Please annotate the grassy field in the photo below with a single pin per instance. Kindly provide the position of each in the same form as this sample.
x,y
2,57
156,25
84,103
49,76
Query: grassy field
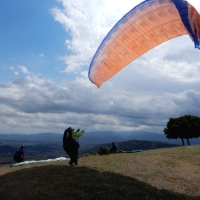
x,y
162,174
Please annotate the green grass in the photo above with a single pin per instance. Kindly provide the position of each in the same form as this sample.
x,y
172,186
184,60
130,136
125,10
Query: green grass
x,y
163,174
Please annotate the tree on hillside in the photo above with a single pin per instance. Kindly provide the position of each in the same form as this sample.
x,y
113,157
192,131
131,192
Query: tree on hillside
x,y
185,127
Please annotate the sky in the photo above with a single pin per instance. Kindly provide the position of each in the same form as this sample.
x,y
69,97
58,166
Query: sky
x,y
45,51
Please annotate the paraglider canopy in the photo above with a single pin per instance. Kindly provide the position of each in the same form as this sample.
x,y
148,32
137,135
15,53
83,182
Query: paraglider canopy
x,y
149,24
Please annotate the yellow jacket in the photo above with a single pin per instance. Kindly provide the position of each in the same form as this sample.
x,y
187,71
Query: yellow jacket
x,y
76,134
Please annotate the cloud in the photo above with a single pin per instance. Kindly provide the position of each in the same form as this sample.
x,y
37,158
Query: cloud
x,y
87,23
15,72
12,68
24,69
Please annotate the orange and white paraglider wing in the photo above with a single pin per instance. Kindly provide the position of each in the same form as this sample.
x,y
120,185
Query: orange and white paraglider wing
x,y
144,27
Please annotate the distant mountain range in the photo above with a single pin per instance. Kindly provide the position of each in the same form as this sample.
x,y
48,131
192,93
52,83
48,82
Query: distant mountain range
x,y
97,137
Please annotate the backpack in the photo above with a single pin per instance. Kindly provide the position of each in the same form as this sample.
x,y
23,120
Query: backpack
x,y
16,156
104,150
67,138
68,141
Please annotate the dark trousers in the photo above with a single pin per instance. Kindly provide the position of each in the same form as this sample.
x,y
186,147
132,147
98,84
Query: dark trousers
x,y
72,153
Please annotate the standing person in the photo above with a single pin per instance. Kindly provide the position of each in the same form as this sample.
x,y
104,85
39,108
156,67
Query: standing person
x,y
19,155
71,145
114,148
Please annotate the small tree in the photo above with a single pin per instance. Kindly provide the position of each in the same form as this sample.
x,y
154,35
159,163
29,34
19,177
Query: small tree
x,y
185,127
